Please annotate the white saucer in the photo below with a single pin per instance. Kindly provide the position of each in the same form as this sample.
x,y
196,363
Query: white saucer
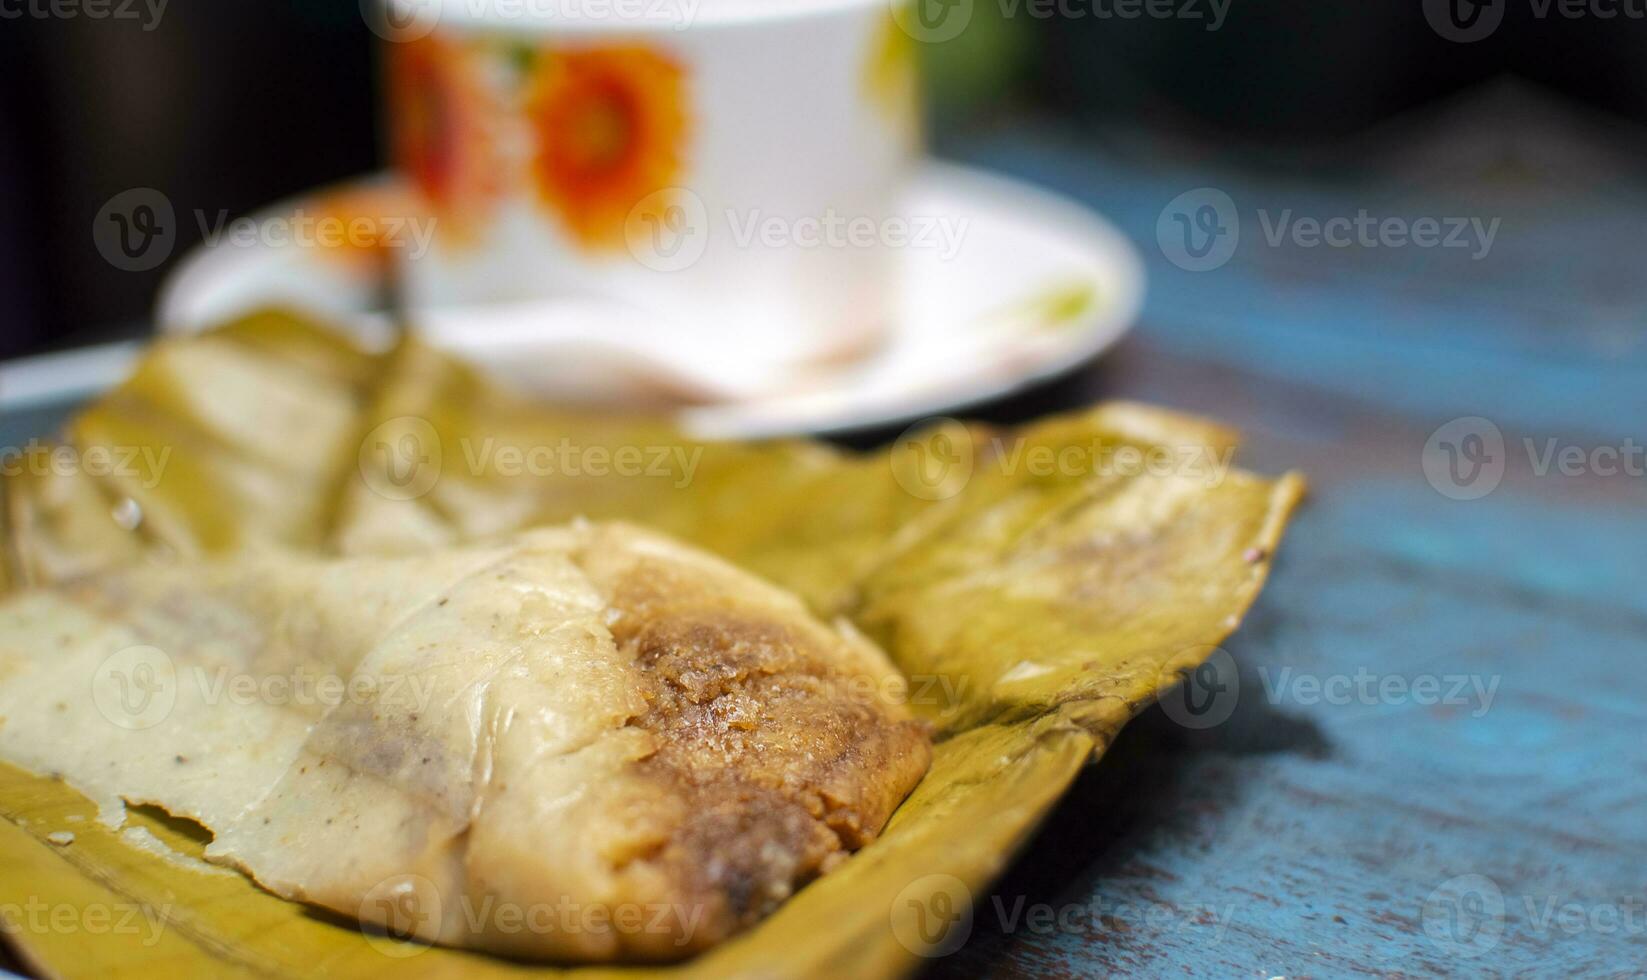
x,y
1038,286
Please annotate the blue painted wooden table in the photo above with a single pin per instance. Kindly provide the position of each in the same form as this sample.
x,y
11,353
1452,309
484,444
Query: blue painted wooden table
x,y
1429,756
1434,760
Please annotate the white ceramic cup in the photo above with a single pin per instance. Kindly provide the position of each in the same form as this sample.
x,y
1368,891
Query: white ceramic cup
x,y
728,168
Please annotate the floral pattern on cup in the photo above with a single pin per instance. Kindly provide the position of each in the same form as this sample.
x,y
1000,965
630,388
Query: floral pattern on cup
x,y
445,125
609,129
586,132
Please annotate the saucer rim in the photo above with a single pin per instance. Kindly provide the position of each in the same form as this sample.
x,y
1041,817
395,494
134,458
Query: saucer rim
x,y
1097,329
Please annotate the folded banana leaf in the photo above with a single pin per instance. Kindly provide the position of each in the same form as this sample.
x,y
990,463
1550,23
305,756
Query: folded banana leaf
x,y
1038,587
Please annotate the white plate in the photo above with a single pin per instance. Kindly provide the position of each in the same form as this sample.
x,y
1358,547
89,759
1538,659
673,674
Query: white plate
x,y
1038,286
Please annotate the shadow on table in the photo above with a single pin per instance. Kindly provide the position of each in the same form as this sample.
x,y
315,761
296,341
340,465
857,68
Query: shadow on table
x,y
1137,803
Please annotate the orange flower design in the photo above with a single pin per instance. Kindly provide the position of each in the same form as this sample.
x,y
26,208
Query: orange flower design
x,y
444,123
609,128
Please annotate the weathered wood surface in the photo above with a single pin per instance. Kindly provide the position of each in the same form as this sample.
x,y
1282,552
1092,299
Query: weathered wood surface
x,y
1306,838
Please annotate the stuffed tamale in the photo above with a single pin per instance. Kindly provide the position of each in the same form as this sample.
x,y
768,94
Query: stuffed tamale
x,y
585,743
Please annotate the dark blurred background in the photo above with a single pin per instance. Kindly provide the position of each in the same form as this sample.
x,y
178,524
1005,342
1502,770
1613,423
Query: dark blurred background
x,y
228,106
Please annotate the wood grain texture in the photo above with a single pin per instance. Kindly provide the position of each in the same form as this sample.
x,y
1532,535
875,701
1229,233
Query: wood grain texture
x,y
1307,838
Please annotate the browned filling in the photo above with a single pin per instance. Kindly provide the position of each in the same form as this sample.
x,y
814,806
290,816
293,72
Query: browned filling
x,y
784,764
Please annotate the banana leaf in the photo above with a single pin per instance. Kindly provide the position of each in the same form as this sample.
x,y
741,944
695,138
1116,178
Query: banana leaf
x,y
1037,586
